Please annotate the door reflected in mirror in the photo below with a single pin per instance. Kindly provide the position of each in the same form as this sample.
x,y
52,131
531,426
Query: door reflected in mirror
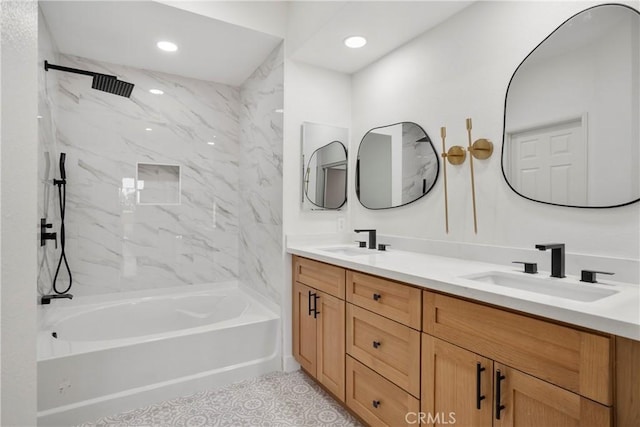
x,y
571,131
396,165
324,160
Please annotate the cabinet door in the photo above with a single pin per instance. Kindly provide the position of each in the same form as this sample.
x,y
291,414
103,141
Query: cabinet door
x,y
331,352
456,385
304,327
531,402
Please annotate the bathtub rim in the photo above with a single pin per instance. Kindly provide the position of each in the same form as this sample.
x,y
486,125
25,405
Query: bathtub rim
x,y
48,315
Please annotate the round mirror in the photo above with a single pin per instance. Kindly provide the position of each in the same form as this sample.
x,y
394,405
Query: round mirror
x,y
325,176
571,129
396,165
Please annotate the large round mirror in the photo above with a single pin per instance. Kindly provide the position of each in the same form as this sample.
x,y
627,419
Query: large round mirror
x,y
325,176
571,130
396,165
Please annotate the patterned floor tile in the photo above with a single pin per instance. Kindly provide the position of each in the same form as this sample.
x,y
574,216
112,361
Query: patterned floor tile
x,y
273,400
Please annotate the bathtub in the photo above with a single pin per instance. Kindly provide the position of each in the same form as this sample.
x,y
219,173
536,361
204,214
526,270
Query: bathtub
x,y
106,354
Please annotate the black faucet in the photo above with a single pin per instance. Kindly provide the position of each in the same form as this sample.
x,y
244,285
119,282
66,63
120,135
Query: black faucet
x,y
557,257
372,237
46,299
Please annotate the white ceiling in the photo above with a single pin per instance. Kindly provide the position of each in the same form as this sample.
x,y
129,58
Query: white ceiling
x,y
320,29
125,32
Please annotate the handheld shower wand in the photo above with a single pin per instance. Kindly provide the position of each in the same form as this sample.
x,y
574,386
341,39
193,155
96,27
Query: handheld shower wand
x,y
63,173
62,193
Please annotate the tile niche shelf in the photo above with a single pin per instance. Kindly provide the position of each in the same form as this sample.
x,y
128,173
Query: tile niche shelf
x,y
158,184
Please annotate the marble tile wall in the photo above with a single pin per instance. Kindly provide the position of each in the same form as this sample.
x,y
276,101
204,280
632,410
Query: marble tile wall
x,y
47,158
261,142
113,243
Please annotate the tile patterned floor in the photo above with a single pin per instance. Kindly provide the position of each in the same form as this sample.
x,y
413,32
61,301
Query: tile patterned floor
x,y
273,400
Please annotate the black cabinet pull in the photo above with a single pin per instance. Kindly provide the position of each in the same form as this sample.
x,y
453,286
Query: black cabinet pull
x,y
499,407
313,309
376,344
375,403
309,304
315,306
377,296
479,396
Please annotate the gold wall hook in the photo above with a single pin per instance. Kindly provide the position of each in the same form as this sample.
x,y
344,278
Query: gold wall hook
x,y
481,149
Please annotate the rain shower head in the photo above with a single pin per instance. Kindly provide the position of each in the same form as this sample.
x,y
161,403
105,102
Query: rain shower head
x,y
111,84
103,82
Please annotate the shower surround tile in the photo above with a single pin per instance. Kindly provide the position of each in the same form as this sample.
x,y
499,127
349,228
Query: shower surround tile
x,y
261,122
115,244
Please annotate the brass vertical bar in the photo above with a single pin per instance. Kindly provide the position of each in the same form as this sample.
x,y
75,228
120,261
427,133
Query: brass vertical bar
x,y
443,134
473,182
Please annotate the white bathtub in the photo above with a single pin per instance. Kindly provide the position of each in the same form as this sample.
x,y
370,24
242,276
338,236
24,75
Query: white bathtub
x,y
107,354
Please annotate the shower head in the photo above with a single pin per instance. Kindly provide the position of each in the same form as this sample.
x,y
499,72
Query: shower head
x,y
103,82
111,84
63,173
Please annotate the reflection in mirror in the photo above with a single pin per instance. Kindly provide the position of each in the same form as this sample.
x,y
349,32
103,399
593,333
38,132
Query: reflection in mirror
x,y
396,165
571,130
324,161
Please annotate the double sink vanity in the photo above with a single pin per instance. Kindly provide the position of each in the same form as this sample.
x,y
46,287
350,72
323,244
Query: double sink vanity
x,y
408,338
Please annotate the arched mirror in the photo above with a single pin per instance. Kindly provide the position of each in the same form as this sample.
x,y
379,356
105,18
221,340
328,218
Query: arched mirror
x,y
324,172
396,165
571,129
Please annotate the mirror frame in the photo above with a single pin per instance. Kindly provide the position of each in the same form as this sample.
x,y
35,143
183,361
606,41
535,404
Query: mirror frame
x,y
357,168
504,118
346,188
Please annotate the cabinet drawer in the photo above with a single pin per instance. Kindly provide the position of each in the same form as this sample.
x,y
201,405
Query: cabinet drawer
x,y
324,277
387,347
572,359
375,399
390,299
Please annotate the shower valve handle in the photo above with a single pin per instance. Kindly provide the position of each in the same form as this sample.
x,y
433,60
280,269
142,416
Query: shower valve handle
x,y
44,236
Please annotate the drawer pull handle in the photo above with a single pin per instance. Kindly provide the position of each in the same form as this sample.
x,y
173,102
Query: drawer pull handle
x,y
377,297
479,396
376,403
376,344
499,407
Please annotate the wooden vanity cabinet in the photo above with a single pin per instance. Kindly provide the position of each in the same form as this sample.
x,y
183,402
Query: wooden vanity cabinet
x,y
319,323
465,386
383,350
541,373
401,355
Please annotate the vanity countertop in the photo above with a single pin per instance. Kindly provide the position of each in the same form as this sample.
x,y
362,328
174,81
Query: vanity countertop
x,y
617,314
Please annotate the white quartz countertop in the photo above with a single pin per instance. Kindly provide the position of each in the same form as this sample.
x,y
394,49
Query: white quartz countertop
x,y
617,314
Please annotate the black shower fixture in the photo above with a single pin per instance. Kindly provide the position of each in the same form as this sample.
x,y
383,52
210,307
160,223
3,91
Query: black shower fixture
x,y
103,82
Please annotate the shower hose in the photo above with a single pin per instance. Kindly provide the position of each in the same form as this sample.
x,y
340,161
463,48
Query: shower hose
x,y
62,193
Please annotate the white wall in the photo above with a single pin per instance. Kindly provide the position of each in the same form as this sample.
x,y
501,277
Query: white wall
x,y
311,95
314,95
19,226
461,69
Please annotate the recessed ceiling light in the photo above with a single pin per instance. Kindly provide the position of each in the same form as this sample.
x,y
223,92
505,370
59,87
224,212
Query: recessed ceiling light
x,y
167,46
148,129
355,42
278,110
156,91
211,143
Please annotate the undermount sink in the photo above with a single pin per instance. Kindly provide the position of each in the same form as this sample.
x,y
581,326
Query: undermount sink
x,y
348,251
575,291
